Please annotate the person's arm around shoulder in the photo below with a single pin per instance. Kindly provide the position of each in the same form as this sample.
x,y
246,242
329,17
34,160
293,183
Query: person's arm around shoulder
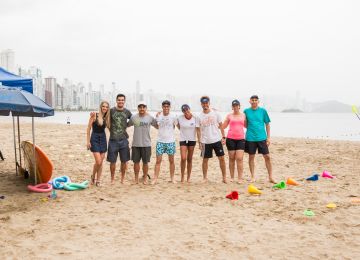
x,y
131,121
154,122
91,121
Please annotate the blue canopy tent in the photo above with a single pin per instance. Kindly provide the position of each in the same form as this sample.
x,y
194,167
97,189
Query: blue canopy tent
x,y
22,103
11,80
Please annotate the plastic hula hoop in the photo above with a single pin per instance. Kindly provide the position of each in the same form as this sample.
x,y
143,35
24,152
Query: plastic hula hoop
x,y
42,187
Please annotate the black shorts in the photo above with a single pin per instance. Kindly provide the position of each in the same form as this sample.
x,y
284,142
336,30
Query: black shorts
x,y
207,151
233,144
187,143
141,153
261,147
120,147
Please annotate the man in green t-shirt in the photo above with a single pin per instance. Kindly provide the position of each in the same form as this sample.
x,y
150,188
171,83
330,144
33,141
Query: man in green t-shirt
x,y
257,137
118,141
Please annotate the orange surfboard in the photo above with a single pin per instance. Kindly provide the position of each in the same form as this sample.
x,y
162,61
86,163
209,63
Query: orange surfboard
x,y
44,166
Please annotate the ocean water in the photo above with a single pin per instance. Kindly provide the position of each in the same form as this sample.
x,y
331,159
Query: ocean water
x,y
332,126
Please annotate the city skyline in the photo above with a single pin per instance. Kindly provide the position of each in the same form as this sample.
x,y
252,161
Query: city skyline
x,y
277,47
69,95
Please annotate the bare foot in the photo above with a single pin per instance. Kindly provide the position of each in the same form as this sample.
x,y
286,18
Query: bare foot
x,y
112,181
271,180
153,182
232,180
188,181
224,181
240,181
205,180
253,179
172,181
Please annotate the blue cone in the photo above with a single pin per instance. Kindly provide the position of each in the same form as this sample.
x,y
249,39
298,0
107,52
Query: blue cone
x,y
315,177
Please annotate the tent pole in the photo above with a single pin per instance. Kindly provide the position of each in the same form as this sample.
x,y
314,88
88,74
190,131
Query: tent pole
x,y
34,150
18,126
16,166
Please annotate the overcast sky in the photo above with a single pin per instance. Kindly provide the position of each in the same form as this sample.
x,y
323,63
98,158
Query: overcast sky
x,y
226,48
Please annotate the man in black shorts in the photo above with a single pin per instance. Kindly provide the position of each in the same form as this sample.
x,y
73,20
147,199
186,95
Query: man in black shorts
x,y
257,138
141,146
211,136
118,142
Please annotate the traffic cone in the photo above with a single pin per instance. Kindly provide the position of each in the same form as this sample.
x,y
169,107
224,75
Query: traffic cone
x,y
291,181
253,190
315,177
327,174
280,185
234,195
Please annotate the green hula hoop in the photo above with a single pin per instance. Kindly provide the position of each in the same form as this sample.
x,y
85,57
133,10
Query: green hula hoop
x,y
76,186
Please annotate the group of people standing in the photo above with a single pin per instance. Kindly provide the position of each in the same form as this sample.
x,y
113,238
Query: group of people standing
x,y
206,128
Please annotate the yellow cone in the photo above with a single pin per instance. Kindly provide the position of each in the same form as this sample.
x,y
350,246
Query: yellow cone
x,y
331,205
253,190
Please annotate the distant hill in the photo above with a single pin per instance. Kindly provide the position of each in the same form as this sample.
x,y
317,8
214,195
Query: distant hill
x,y
292,110
331,106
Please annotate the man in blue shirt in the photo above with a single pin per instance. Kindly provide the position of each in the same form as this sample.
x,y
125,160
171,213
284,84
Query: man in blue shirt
x,y
257,138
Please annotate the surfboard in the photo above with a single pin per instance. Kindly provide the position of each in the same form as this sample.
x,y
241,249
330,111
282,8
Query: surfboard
x,y
44,166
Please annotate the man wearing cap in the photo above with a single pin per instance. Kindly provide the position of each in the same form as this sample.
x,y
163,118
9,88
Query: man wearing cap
x,y
141,143
211,137
166,140
257,136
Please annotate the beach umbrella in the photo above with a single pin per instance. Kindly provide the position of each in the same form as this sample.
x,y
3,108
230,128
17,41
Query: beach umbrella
x,y
22,103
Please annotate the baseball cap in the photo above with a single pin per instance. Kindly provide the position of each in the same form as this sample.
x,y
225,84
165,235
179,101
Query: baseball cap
x,y
185,107
142,103
254,97
166,102
235,102
204,100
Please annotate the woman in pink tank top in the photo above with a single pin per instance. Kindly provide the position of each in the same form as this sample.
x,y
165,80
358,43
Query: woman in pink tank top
x,y
235,139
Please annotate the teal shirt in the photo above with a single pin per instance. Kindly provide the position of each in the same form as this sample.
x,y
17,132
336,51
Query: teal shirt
x,y
256,120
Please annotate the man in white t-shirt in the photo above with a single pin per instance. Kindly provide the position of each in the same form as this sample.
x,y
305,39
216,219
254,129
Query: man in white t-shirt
x,y
212,137
166,139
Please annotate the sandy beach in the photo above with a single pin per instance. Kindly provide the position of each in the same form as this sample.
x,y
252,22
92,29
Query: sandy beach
x,y
182,221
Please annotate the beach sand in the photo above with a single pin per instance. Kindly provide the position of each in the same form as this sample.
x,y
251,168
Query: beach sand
x,y
182,221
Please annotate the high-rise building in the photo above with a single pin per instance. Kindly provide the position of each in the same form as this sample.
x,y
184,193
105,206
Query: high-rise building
x,y
81,96
102,91
59,97
137,93
36,75
7,60
50,91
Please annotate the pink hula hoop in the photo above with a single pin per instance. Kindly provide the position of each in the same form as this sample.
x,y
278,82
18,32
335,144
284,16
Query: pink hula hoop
x,y
42,187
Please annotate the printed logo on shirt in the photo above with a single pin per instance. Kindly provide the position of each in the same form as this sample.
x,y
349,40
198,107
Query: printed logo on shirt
x,y
208,121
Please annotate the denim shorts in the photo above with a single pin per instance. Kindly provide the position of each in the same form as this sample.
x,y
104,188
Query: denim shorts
x,y
120,147
98,142
168,148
